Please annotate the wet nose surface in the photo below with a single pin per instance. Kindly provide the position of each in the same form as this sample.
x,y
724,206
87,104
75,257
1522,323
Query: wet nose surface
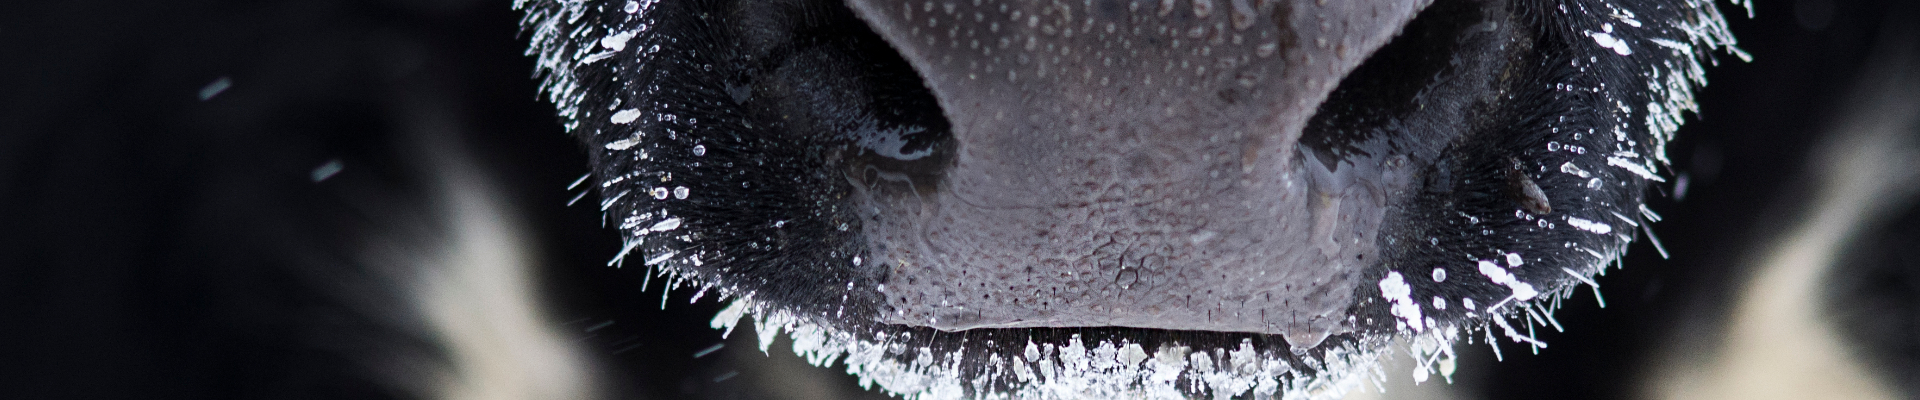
x,y
1131,163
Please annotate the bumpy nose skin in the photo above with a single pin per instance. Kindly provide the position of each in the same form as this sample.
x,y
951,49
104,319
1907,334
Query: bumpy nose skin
x,y
1126,198
1132,164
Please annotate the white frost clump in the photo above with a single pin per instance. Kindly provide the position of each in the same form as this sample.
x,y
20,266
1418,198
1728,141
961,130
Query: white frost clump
x,y
1079,369
1521,290
1589,226
1395,289
1605,39
626,116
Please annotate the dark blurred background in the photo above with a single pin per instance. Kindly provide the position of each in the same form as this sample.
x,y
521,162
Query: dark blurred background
x,y
164,232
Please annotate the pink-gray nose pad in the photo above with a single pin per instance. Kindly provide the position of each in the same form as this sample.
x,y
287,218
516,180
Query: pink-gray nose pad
x,y
1149,131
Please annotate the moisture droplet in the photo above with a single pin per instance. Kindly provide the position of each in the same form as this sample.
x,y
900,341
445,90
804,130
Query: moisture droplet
x,y
1439,303
699,150
680,192
632,7
1439,274
659,193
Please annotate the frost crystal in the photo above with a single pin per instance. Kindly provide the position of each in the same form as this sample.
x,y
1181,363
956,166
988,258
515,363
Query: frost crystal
x,y
1589,226
1076,369
1521,290
1395,289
